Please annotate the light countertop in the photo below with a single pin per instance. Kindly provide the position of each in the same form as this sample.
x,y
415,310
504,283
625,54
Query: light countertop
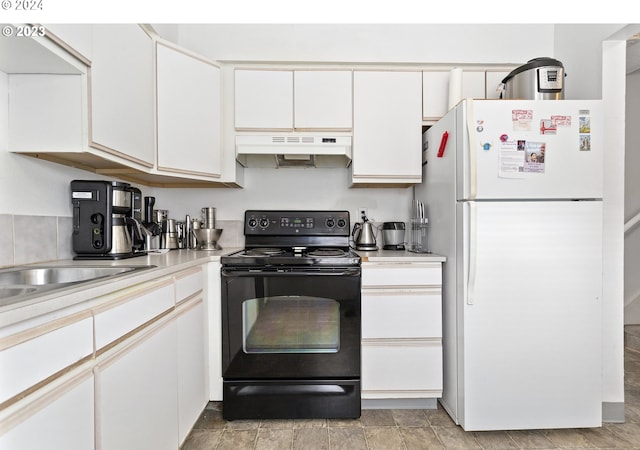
x,y
65,300
73,297
399,256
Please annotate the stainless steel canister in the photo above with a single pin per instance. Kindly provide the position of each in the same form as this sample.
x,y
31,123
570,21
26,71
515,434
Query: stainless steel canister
x,y
209,217
169,234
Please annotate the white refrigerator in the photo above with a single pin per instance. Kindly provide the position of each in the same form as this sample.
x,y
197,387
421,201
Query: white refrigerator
x,y
513,193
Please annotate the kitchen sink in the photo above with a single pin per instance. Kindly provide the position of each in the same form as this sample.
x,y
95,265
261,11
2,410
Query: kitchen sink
x,y
18,282
58,275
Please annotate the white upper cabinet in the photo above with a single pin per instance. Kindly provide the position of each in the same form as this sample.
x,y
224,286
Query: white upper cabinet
x,y
473,84
264,99
478,84
323,99
189,117
387,125
435,90
287,100
122,93
435,94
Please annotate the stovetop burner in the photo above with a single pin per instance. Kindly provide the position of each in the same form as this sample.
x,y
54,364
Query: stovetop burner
x,y
262,251
328,252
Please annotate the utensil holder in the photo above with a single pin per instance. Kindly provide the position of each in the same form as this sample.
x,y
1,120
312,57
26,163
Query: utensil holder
x,y
419,235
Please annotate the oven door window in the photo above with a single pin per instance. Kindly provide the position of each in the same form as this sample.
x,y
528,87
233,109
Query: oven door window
x,y
291,324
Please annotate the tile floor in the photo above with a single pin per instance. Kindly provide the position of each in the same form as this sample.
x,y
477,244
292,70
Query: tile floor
x,y
415,429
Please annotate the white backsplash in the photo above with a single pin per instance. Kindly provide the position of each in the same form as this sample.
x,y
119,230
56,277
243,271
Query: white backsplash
x,y
35,239
32,239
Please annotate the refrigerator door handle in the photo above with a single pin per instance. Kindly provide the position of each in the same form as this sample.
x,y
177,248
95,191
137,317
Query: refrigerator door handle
x,y
473,147
471,276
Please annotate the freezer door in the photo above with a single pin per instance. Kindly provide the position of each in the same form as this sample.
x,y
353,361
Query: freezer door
x,y
517,149
530,355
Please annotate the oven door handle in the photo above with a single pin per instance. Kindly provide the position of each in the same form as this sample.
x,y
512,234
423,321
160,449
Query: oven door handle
x,y
289,272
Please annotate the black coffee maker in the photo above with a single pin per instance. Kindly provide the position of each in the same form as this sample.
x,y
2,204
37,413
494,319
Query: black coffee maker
x,y
104,220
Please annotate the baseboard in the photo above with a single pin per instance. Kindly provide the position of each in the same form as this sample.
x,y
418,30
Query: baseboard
x,y
613,412
400,403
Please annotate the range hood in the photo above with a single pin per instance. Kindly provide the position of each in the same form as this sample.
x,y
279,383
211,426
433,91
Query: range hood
x,y
287,150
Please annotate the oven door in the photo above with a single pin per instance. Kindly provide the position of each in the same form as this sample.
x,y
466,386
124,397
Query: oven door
x,y
291,323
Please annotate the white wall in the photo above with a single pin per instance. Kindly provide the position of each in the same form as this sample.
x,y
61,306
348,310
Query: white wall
x,y
401,43
632,200
614,99
290,188
579,48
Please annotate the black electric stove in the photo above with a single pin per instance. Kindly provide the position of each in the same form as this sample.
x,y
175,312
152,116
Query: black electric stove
x,y
291,321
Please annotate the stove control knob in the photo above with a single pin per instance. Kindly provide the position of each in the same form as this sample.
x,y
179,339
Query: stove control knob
x,y
253,222
264,222
342,223
330,223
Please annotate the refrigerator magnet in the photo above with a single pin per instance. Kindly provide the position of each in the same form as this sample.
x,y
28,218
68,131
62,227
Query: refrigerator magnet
x,y
548,126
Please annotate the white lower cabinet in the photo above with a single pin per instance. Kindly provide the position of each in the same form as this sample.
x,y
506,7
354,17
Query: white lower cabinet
x,y
401,330
128,372
192,373
397,368
59,416
136,393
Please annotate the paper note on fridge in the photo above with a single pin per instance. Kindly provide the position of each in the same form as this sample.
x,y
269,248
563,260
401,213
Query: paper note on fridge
x,y
521,157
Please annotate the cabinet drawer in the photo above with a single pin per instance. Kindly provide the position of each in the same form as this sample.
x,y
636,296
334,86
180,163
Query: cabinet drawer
x,y
188,283
401,314
30,358
128,314
402,366
401,274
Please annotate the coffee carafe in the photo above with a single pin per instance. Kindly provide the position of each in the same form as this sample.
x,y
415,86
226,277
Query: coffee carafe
x,y
103,219
364,235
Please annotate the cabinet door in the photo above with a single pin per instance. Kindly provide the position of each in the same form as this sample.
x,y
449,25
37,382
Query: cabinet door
x,y
35,358
122,94
136,393
61,418
189,121
264,99
192,368
46,113
435,94
323,99
473,84
387,127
